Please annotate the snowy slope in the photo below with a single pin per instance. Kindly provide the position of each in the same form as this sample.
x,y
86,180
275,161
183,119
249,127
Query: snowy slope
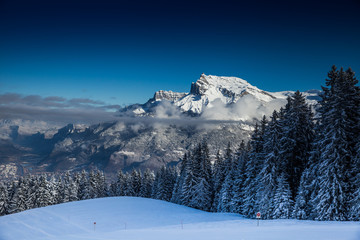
x,y
138,218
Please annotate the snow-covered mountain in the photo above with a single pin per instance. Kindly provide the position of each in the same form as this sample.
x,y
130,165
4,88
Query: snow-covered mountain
x,y
208,91
217,109
140,218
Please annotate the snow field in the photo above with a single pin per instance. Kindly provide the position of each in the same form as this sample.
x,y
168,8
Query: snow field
x,y
130,218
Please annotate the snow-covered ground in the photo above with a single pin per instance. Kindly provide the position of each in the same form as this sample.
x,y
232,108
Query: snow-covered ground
x,y
129,218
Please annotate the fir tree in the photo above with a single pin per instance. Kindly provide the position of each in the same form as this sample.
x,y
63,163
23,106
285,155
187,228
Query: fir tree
x,y
84,187
224,182
270,168
252,170
135,182
282,203
4,198
237,201
19,199
177,193
336,147
146,184
296,138
120,184
43,193
70,189
219,177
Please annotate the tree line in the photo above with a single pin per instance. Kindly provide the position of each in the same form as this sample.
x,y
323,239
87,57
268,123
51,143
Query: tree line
x,y
296,165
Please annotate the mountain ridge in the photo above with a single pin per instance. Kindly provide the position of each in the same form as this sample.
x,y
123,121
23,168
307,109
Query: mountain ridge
x,y
216,109
206,90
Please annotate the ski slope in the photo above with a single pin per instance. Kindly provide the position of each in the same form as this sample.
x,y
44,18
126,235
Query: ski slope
x,y
130,218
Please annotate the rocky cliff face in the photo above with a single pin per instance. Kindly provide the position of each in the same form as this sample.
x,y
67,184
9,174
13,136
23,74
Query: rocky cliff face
x,y
168,95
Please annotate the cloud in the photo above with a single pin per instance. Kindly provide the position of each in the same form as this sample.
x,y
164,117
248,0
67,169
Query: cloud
x,y
10,98
55,108
55,99
167,110
85,101
84,110
246,108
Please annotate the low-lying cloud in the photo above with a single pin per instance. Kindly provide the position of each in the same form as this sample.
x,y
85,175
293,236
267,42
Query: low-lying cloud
x,y
89,111
246,108
55,108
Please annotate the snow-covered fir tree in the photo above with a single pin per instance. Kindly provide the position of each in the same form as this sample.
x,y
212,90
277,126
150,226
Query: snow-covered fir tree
x,y
70,189
224,181
336,147
282,203
43,196
177,192
219,178
297,136
19,201
84,187
252,170
146,183
4,198
270,169
241,157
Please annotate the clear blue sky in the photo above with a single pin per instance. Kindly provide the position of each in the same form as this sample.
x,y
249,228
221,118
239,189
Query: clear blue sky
x,y
121,52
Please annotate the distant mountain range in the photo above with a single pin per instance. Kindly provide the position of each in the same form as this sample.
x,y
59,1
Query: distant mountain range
x,y
217,109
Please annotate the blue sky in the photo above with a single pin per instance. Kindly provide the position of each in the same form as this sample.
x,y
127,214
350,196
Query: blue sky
x,y
121,52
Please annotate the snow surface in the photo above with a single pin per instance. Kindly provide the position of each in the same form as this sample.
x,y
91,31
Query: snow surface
x,y
131,218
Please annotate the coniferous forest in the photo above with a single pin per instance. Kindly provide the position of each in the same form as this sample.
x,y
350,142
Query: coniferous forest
x,y
300,163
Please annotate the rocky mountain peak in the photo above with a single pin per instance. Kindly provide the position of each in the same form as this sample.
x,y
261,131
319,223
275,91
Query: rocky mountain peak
x,y
227,85
209,90
168,95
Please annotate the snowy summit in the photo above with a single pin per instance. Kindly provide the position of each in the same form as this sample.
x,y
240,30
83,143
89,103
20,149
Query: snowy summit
x,y
209,90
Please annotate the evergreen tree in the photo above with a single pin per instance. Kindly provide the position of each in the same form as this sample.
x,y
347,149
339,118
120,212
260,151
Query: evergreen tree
x,y
19,199
252,170
177,193
226,193
206,185
84,187
237,201
309,186
355,201
146,183
224,182
165,183
101,187
189,185
128,185
4,198
219,178
59,188
282,203
296,138
43,196
120,184
135,182
270,168
70,189
154,189
336,146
